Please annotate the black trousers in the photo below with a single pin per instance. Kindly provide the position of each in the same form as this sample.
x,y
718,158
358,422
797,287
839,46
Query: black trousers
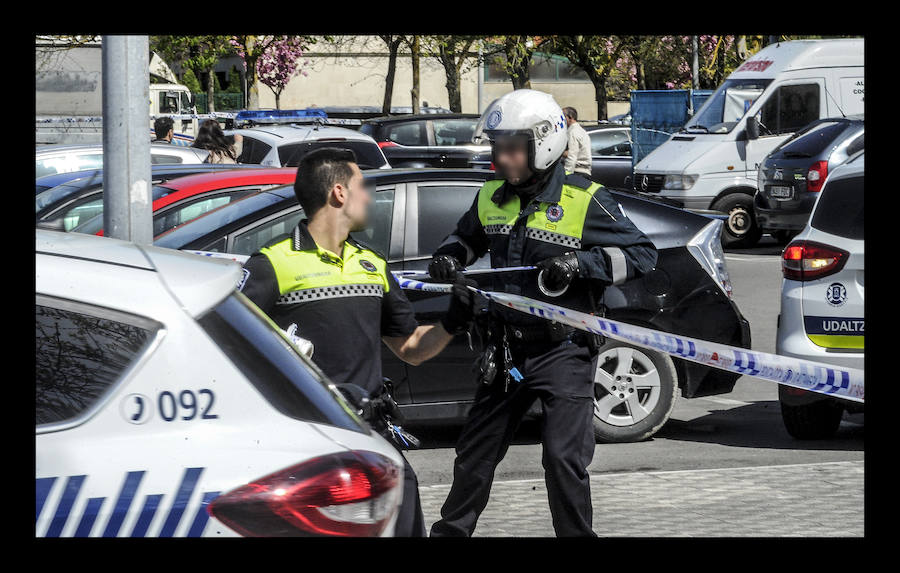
x,y
560,376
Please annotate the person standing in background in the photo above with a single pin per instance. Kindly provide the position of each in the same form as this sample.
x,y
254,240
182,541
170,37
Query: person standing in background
x,y
578,155
211,137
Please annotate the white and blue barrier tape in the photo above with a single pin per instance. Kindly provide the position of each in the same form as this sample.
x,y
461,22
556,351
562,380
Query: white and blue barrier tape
x,y
848,383
837,381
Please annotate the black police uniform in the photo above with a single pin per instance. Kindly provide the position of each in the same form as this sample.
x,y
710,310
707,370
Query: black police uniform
x,y
352,301
556,361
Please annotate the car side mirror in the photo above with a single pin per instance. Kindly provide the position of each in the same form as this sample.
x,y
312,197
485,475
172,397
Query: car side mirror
x,y
752,128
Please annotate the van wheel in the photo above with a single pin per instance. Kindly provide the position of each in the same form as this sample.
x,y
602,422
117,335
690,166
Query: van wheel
x,y
740,230
815,421
634,392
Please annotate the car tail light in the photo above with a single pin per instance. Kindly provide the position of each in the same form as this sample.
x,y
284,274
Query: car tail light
x,y
816,175
492,166
806,261
383,144
345,494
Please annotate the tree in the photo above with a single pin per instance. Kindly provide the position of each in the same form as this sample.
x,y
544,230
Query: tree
x,y
596,55
190,80
200,54
415,53
250,49
393,43
453,52
279,63
519,55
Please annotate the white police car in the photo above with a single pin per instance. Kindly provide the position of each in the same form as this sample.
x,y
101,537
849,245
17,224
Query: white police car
x,y
280,138
168,405
822,299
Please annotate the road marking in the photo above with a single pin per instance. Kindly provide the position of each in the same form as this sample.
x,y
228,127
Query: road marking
x,y
666,472
726,401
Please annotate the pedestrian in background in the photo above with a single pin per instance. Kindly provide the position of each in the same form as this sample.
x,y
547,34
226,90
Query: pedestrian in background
x,y
211,137
578,155
164,128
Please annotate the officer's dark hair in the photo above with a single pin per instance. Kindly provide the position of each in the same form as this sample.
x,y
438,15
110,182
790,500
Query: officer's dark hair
x,y
570,112
319,171
162,125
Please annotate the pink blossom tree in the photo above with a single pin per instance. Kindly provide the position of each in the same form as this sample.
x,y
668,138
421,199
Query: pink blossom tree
x,y
280,63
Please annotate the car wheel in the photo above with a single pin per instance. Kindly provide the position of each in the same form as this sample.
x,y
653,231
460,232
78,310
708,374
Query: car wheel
x,y
634,392
815,421
740,230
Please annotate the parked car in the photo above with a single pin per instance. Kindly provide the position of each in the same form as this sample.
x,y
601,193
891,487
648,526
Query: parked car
x,y
611,156
159,172
180,200
688,293
168,405
49,159
791,177
285,145
823,299
426,140
70,204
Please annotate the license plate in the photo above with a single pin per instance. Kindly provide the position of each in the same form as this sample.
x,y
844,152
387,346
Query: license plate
x,y
781,192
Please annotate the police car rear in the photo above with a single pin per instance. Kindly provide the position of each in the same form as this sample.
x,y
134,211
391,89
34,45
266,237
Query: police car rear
x,y
168,405
822,299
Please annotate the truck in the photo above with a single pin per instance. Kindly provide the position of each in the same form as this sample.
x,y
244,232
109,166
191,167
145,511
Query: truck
x,y
712,162
69,94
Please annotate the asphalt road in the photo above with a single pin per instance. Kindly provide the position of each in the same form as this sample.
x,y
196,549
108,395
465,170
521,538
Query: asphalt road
x,y
739,429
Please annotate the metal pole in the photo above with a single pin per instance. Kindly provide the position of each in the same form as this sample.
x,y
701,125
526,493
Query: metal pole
x,y
696,64
127,211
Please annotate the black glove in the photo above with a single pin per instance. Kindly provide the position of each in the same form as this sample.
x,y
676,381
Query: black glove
x,y
444,267
462,306
559,271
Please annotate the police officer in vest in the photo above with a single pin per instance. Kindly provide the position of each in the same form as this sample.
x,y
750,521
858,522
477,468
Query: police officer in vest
x,y
341,295
578,236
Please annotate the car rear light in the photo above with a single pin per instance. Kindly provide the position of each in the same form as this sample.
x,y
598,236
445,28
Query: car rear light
x,y
807,260
816,175
383,144
353,493
706,247
492,166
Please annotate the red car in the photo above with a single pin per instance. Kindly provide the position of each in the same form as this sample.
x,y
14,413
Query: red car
x,y
178,201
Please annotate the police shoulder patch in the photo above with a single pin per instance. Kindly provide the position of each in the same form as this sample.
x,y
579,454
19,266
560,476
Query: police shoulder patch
x,y
246,275
554,213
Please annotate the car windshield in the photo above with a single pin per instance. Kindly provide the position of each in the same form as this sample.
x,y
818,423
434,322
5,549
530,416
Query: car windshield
x,y
368,155
288,380
725,108
813,140
840,208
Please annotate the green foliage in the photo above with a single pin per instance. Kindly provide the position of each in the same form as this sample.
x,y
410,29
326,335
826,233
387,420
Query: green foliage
x,y
190,80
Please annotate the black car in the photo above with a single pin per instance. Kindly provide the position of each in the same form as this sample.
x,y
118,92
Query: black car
x,y
78,200
791,176
611,156
688,293
426,140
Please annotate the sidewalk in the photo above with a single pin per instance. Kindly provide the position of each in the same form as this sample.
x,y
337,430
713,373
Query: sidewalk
x,y
809,500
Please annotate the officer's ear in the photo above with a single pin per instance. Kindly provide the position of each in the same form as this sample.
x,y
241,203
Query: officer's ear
x,y
339,194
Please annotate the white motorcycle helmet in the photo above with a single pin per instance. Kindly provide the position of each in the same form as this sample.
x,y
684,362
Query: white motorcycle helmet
x,y
533,114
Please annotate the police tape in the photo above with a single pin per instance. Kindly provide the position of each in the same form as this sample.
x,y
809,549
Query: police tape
x,y
838,381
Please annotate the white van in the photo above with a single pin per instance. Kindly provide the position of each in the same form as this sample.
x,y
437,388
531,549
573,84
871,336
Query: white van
x,y
712,162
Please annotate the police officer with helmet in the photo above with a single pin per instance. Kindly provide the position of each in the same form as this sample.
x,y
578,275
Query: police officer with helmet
x,y
581,241
324,287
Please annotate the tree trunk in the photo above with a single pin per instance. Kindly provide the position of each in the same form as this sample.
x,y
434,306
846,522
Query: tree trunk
x,y
210,92
600,95
393,47
415,73
278,100
451,70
